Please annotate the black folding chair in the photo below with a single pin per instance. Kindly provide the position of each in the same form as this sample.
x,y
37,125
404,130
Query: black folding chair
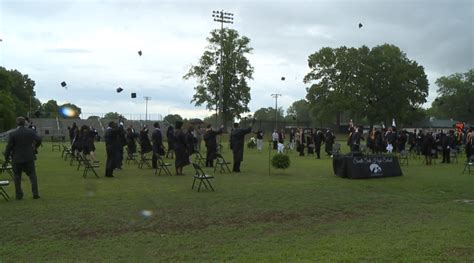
x,y
199,159
67,152
130,157
222,163
468,164
6,167
162,166
144,160
202,177
89,166
2,191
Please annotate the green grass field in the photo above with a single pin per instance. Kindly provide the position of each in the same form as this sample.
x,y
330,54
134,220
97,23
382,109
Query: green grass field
x,y
304,213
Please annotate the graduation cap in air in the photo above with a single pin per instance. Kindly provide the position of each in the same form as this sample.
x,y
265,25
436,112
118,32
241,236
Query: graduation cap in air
x,y
360,25
119,89
282,78
140,53
133,95
63,84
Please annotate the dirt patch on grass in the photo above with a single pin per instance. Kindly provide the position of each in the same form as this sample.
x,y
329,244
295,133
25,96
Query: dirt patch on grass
x,y
167,225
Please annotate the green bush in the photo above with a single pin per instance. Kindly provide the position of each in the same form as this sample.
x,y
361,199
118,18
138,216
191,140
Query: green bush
x,y
281,161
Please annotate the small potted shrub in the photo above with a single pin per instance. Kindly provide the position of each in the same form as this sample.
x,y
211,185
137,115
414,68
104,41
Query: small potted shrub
x,y
281,161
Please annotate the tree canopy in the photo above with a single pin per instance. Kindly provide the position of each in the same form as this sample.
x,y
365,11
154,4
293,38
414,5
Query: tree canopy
x,y
172,118
236,70
455,97
375,84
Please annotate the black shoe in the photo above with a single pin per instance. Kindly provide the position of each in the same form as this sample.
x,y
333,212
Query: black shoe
x,y
36,197
19,197
109,176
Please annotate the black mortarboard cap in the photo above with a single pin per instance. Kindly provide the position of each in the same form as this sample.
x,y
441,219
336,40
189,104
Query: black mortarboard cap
x,y
133,95
360,25
119,89
63,84
282,78
140,53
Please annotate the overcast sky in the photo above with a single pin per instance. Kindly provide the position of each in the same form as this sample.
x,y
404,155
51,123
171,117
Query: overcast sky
x,y
92,45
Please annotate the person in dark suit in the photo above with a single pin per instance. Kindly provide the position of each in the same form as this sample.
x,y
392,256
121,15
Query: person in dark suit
x,y
157,139
112,145
211,144
237,144
21,147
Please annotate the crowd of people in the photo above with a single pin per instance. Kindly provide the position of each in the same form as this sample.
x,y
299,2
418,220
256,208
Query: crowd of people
x,y
182,143
430,144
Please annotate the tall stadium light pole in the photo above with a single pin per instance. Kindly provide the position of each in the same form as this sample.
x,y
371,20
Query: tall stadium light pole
x,y
276,109
223,18
146,106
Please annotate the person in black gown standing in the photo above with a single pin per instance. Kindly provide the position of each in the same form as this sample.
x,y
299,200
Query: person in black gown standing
x,y
180,148
237,144
157,140
211,144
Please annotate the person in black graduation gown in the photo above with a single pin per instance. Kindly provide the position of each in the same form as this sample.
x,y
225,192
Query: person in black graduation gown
x,y
112,145
131,143
157,140
211,144
180,148
318,140
145,145
330,139
237,137
170,139
21,147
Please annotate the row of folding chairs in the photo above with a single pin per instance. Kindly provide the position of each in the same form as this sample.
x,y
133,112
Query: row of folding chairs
x,y
79,159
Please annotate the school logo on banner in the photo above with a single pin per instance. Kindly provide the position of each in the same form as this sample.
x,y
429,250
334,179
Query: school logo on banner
x,y
375,169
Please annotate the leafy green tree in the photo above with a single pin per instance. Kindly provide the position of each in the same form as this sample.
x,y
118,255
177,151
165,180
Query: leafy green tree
x,y
299,111
213,119
172,118
236,70
376,84
7,111
50,109
268,114
455,97
21,90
